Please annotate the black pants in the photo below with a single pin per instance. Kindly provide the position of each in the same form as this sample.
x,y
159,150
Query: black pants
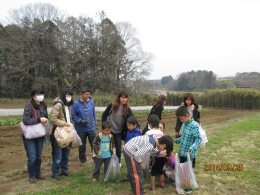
x,y
82,149
118,144
184,159
157,167
98,164
135,175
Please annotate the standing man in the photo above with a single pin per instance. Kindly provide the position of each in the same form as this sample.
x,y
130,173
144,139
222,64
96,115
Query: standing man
x,y
84,116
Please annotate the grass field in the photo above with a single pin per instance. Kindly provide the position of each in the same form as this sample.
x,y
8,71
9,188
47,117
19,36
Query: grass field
x,y
233,141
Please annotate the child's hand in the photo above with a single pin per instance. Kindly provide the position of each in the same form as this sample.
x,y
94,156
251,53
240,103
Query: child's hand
x,y
99,153
142,165
163,153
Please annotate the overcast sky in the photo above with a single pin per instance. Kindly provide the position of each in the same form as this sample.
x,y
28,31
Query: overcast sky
x,y
222,35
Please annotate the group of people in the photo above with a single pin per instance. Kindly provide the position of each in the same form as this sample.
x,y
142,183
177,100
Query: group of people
x,y
120,132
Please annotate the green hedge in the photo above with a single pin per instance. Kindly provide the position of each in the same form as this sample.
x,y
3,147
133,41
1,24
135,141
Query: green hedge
x,y
226,98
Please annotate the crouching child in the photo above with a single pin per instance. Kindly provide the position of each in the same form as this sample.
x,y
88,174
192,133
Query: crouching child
x,y
135,149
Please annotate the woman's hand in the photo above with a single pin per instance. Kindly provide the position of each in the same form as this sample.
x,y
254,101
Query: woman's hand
x,y
68,124
44,120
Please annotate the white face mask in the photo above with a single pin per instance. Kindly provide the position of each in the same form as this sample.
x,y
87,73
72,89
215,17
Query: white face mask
x,y
68,99
39,98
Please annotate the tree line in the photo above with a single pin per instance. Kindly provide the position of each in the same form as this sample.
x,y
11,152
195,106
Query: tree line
x,y
41,45
204,80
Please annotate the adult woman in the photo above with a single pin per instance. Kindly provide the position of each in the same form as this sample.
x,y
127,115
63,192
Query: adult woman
x,y
156,109
117,113
60,117
35,112
193,108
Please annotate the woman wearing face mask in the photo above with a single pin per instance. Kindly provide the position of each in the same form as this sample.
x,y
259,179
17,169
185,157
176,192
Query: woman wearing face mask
x,y
193,108
60,117
117,114
35,112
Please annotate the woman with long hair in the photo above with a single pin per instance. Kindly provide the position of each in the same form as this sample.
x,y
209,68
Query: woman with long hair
x,y
156,109
193,108
117,113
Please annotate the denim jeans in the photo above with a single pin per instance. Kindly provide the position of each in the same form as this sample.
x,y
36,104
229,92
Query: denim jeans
x,y
118,144
82,149
33,148
60,157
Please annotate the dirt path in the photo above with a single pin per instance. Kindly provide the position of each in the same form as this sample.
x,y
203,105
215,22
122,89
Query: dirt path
x,y
13,174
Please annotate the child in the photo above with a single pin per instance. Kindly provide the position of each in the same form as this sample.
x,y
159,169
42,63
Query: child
x,y
133,130
138,147
103,146
190,137
169,167
194,110
157,162
162,126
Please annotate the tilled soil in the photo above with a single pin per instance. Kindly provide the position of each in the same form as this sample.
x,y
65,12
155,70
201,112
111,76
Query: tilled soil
x,y
13,161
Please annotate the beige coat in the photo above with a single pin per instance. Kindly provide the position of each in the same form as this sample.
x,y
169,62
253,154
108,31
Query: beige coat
x,y
57,117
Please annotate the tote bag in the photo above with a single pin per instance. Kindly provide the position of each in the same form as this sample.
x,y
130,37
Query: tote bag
x,y
33,131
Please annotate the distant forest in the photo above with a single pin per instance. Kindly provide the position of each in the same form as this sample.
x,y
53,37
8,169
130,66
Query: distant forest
x,y
203,80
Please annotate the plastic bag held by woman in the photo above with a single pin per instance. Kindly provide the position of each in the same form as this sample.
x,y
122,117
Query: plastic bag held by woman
x,y
204,138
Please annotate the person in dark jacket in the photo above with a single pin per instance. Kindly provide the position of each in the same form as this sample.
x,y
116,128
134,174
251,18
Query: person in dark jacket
x,y
35,112
60,117
194,111
84,116
157,110
117,113
133,129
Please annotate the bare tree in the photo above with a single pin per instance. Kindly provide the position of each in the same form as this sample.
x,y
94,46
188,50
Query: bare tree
x,y
30,12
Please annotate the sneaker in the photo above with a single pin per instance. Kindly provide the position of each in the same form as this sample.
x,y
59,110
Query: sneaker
x,y
188,191
83,163
40,177
32,180
65,173
58,176
180,191
123,179
159,185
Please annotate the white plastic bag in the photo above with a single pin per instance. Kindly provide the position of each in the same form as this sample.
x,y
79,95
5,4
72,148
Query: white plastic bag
x,y
169,172
184,175
76,139
204,138
113,170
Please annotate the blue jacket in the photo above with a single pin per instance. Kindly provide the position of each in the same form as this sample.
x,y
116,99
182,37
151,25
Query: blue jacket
x,y
84,115
134,133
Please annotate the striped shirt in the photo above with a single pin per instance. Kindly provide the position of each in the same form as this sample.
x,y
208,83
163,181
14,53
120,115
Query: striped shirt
x,y
139,147
190,138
